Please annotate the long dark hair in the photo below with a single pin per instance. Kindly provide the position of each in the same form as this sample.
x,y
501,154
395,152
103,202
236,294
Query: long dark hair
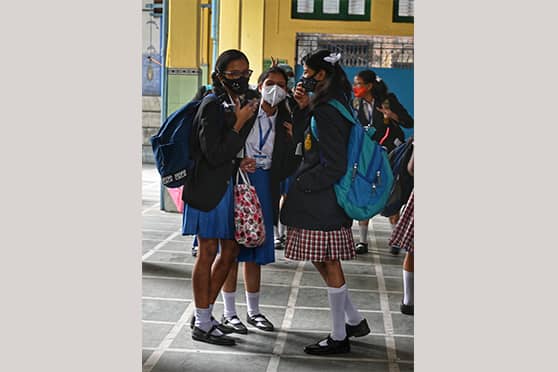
x,y
221,65
379,88
336,85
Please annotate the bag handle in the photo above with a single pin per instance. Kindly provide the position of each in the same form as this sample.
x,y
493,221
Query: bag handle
x,y
245,178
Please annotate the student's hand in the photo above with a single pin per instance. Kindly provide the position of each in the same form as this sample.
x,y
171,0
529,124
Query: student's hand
x,y
289,127
300,96
388,114
248,165
245,113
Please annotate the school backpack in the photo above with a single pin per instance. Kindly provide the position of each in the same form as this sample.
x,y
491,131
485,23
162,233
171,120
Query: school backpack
x,y
365,187
171,145
403,181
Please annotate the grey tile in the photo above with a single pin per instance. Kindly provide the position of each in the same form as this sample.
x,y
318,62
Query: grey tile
x,y
406,367
153,334
269,295
362,347
392,270
403,324
394,284
349,267
353,282
156,235
166,311
178,257
320,320
309,297
145,354
274,277
157,269
405,347
179,246
167,288
282,263
207,362
322,364
395,301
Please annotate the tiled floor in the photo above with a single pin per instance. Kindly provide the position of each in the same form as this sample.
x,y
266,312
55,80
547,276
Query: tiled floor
x,y
293,296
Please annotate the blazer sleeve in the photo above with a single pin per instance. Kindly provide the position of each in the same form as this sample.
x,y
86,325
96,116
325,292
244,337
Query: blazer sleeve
x,y
217,145
405,120
332,128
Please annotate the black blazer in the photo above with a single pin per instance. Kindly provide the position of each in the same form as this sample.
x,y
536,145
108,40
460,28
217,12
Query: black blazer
x,y
311,202
396,132
214,146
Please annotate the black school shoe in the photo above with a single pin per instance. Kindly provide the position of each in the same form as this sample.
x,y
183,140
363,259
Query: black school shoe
x,y
200,335
333,347
395,250
361,248
220,327
407,309
259,321
279,244
237,327
359,330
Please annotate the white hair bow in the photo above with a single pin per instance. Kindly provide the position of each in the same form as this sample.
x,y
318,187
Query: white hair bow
x,y
378,79
333,58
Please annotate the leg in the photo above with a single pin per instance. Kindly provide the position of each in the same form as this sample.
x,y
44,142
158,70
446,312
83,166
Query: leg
x,y
201,277
407,305
252,280
393,221
230,318
362,245
220,270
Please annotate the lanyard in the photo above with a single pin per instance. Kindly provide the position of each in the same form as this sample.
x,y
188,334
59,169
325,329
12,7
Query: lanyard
x,y
263,139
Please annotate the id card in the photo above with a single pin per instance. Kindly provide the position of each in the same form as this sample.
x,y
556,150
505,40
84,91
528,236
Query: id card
x,y
260,160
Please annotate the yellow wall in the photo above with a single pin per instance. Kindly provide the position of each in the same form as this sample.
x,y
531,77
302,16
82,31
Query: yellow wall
x,y
229,25
183,45
280,29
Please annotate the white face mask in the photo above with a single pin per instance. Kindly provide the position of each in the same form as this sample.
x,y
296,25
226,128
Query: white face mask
x,y
273,94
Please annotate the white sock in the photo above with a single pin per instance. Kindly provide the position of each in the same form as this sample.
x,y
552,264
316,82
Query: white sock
x,y
337,297
407,287
230,304
253,302
276,232
352,315
282,230
363,233
203,319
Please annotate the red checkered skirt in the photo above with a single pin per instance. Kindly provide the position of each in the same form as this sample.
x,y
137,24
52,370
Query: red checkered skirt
x,y
319,246
403,235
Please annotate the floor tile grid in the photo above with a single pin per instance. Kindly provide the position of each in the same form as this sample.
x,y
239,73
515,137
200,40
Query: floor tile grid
x,y
281,337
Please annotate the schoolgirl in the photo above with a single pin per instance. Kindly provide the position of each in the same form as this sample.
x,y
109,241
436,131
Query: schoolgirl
x,y
318,229
221,126
269,157
378,108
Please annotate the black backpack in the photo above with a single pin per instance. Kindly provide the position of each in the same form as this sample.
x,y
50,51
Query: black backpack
x,y
403,181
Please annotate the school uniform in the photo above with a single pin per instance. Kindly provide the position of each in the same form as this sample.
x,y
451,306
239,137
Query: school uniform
x,y
208,190
274,151
318,229
390,134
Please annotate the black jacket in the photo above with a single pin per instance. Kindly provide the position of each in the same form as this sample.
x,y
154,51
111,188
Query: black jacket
x,y
215,146
311,203
396,132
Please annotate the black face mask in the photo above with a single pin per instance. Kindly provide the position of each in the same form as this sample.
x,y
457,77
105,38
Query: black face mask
x,y
239,86
309,84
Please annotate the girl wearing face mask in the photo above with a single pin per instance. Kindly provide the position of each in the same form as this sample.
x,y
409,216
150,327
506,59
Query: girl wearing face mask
x,y
269,158
318,229
376,107
221,126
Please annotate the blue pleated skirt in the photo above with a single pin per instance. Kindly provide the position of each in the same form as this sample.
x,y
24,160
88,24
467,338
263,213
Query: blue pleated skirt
x,y
218,223
264,253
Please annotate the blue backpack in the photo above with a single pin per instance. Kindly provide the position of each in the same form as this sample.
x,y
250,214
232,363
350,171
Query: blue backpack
x,y
403,182
171,145
365,187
